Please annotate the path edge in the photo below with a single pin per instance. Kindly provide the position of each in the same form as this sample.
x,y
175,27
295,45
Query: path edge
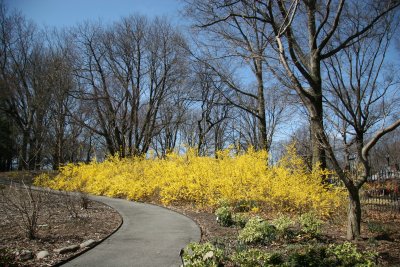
x,y
64,261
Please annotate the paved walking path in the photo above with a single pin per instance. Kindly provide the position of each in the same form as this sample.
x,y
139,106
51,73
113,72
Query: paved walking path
x,y
149,236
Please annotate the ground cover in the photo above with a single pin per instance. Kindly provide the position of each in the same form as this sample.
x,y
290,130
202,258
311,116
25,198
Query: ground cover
x,y
380,236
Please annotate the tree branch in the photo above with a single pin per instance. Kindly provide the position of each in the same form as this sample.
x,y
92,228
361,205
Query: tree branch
x,y
346,42
378,136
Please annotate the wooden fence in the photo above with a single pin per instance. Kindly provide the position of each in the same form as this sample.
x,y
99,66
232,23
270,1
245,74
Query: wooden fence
x,y
381,200
382,190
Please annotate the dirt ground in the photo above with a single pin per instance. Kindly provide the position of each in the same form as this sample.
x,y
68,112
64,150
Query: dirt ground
x,y
62,221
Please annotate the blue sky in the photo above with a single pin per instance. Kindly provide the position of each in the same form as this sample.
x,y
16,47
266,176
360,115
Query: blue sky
x,y
64,13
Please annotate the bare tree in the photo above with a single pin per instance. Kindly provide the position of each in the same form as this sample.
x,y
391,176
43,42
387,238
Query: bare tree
x,y
7,145
330,45
239,38
126,72
26,99
365,99
212,109
61,83
301,52
172,117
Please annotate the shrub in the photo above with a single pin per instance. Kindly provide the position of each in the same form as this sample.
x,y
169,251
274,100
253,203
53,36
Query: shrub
x,y
381,231
283,226
310,224
74,203
202,255
244,179
347,255
343,255
42,179
376,227
257,231
309,256
224,216
27,204
240,219
254,258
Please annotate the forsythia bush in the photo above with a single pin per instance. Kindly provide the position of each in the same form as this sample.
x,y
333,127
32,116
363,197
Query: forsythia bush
x,y
205,181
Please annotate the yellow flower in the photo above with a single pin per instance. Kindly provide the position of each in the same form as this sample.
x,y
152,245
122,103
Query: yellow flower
x,y
205,181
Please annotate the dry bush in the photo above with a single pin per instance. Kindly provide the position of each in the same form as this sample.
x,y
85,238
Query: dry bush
x,y
74,203
27,204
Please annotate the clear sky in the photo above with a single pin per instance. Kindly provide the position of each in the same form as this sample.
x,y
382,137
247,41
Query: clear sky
x,y
64,13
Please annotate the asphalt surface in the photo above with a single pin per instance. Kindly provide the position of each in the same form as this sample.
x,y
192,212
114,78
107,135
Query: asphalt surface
x,y
149,236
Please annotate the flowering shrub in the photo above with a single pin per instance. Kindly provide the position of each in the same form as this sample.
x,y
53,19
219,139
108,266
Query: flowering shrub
x,y
205,181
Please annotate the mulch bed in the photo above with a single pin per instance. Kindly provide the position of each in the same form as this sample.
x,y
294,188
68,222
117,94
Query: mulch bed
x,y
61,222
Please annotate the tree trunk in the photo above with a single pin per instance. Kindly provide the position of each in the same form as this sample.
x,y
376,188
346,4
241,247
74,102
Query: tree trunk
x,y
316,111
201,138
89,151
23,159
354,214
318,151
57,153
262,127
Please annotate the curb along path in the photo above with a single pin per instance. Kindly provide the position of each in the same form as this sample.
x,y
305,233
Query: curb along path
x,y
149,236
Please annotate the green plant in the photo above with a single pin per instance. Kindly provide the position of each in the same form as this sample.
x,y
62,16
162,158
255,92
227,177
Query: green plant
x,y
347,255
223,203
309,256
255,257
381,231
224,216
283,226
376,227
373,242
257,231
310,224
202,255
240,219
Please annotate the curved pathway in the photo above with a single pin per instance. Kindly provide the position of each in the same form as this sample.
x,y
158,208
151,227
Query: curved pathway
x,y
149,236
